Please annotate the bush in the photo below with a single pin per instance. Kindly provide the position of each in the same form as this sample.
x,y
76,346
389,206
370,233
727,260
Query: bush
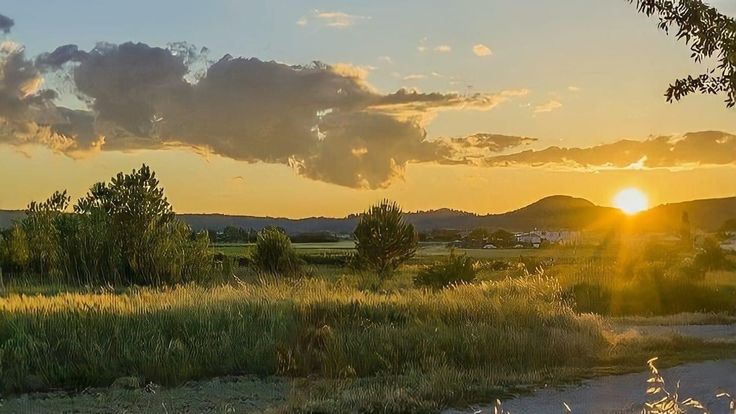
x,y
384,240
711,257
273,253
451,271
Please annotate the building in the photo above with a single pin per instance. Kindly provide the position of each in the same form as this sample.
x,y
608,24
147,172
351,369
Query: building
x,y
535,238
529,238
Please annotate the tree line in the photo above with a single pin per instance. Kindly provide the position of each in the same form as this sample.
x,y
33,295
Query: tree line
x,y
125,232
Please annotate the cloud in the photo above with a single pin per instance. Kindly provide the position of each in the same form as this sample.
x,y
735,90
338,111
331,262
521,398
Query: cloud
x,y
302,21
691,149
325,121
334,19
414,76
474,149
548,106
443,48
573,88
482,50
6,23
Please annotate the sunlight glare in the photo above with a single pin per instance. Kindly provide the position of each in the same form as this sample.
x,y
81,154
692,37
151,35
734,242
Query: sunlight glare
x,y
631,201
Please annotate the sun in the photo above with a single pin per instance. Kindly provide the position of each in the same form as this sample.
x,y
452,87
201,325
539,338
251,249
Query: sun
x,y
631,201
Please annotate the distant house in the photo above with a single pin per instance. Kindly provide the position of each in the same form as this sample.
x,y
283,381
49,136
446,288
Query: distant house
x,y
561,237
490,246
729,244
535,238
529,238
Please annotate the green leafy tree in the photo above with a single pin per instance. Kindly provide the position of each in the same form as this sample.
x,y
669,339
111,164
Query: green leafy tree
x,y
710,34
273,253
14,250
134,209
384,240
41,226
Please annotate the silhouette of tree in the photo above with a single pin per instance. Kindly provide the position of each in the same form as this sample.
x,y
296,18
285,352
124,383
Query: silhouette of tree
x,y
709,34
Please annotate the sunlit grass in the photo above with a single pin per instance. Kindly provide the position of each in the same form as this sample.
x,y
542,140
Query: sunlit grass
x,y
308,327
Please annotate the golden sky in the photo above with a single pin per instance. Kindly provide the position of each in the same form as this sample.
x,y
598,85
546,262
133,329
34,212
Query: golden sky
x,y
457,108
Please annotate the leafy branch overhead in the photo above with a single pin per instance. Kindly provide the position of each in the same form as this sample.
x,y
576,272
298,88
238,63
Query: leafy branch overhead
x,y
710,34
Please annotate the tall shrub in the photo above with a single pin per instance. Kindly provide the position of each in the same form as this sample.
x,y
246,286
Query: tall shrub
x,y
274,254
384,240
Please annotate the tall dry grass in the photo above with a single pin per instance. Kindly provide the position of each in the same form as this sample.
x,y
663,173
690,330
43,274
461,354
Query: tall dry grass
x,y
293,328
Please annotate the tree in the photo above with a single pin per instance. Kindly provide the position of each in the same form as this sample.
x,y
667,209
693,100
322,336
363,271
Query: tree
x,y
130,226
133,207
384,240
41,225
14,249
503,238
709,33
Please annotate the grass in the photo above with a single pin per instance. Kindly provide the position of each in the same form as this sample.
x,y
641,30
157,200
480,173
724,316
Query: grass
x,y
311,327
341,344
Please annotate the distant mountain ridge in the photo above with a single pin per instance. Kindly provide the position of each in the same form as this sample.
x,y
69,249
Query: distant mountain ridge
x,y
553,212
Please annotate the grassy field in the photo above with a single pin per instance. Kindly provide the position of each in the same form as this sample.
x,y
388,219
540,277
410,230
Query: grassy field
x,y
335,340
294,329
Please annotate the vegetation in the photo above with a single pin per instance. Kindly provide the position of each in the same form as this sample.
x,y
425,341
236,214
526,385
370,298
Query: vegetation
x,y
273,253
709,34
453,270
293,328
384,240
121,232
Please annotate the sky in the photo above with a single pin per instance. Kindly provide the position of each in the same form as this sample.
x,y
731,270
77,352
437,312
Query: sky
x,y
482,106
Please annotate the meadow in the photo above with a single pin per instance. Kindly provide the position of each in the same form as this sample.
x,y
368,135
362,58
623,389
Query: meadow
x,y
343,343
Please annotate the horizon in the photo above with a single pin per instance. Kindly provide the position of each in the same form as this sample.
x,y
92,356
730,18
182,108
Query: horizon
x,y
356,213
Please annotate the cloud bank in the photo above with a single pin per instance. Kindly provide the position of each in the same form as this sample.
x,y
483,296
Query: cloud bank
x,y
326,121
706,148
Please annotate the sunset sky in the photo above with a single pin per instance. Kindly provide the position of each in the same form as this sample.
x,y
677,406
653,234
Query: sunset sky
x,y
482,106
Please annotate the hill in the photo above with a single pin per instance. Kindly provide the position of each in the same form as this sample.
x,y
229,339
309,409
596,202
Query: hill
x,y
709,214
553,212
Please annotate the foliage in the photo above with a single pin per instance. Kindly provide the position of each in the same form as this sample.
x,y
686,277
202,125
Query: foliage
x,y
453,270
273,253
14,249
123,231
711,257
315,237
384,240
232,234
709,34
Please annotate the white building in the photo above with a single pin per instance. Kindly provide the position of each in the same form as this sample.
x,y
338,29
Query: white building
x,y
729,244
535,238
529,238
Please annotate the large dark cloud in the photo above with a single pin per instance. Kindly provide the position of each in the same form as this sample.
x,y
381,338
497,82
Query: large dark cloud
x,y
6,23
325,121
695,148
